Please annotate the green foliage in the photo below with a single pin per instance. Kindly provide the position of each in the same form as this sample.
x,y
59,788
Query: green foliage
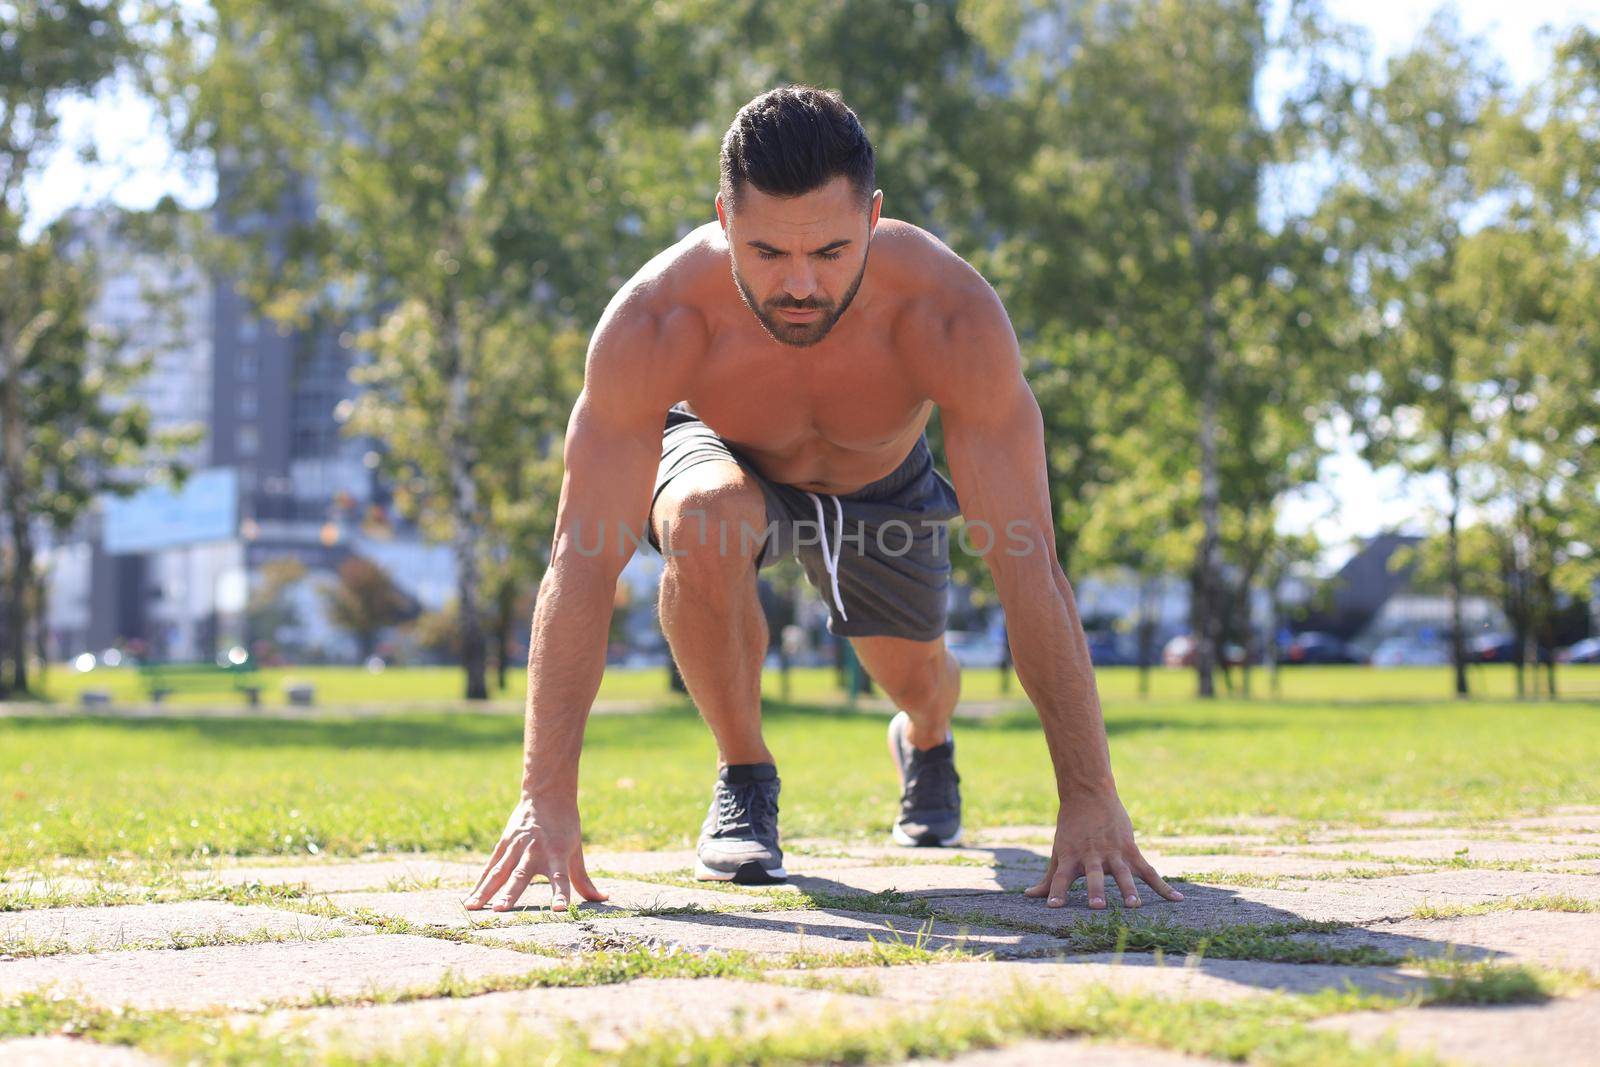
x,y
168,789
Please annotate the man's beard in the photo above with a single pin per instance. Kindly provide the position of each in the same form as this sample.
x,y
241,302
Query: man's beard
x,y
798,334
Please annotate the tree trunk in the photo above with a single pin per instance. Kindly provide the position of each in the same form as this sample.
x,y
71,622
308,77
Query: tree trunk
x,y
12,447
465,538
41,631
1458,640
1270,652
505,603
1207,587
17,597
1147,628
1547,629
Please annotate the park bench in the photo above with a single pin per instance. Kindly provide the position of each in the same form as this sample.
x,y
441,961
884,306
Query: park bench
x,y
162,679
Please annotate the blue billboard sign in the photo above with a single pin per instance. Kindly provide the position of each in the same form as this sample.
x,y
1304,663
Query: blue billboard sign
x,y
205,509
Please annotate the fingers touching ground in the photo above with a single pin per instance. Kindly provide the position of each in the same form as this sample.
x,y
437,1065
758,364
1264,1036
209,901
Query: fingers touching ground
x,y
581,880
495,873
1059,878
1154,880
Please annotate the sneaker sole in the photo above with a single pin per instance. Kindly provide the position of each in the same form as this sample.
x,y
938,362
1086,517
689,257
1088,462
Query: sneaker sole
x,y
751,873
928,840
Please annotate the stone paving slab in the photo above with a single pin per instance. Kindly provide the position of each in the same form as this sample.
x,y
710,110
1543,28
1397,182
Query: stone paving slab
x,y
1552,939
1131,973
1361,901
1453,848
246,976
611,1015
1456,886
57,1051
443,907
1558,1033
1268,866
926,880
38,884
142,925
775,933
421,871
865,854
1567,819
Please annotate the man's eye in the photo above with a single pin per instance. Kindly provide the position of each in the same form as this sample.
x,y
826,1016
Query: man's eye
x,y
830,255
768,255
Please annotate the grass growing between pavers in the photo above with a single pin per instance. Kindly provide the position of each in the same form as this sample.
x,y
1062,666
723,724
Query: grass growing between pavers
x,y
162,888
1270,1029
178,789
1554,902
35,948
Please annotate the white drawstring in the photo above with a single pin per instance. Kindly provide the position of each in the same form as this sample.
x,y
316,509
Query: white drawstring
x,y
831,561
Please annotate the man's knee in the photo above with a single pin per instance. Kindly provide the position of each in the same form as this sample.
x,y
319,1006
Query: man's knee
x,y
710,517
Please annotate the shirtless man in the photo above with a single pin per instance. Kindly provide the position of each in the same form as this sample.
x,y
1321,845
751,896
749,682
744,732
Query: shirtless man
x,y
793,427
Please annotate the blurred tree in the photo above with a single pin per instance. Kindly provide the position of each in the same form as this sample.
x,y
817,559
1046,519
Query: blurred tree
x,y
480,195
1185,336
48,52
66,432
1531,277
365,601
1401,211
269,609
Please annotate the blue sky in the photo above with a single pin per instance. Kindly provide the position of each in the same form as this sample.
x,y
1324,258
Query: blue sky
x,y
135,168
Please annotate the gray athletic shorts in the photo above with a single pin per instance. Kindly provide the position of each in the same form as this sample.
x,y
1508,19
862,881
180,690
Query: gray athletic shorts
x,y
887,545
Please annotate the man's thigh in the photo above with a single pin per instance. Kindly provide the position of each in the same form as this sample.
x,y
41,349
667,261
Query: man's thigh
x,y
706,494
713,505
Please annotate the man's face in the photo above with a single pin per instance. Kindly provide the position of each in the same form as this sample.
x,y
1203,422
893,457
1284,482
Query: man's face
x,y
798,261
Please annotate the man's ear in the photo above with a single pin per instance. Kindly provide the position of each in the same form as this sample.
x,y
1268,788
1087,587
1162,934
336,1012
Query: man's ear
x,y
877,209
722,214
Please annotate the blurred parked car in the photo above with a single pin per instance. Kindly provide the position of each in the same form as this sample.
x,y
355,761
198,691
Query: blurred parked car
x,y
1409,652
1179,652
1499,648
1105,651
1585,651
1314,646
973,648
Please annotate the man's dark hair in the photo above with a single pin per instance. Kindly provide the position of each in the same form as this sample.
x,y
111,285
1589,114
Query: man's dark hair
x,y
793,140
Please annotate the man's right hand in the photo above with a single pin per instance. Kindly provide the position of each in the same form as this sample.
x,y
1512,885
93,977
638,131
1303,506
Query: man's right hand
x,y
541,837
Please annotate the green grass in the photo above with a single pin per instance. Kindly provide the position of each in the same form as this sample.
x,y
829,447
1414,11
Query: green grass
x,y
180,788
1560,902
353,686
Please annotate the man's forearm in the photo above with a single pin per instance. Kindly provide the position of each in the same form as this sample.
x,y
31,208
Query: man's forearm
x,y
1052,663
566,660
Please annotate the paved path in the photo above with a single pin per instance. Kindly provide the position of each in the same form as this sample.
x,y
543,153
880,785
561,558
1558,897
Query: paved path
x,y
377,958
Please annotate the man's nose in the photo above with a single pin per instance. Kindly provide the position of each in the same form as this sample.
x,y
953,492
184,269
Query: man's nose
x,y
800,282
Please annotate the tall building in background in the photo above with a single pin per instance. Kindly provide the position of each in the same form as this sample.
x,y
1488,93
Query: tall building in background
x,y
172,574
152,304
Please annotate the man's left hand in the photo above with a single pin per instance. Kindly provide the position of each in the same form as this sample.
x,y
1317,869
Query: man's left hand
x,y
1094,837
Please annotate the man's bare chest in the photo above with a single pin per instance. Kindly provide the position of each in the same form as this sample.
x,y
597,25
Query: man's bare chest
x,y
778,399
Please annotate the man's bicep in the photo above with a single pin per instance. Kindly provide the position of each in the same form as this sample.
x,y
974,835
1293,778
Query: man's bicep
x,y
997,464
610,467
613,444
994,438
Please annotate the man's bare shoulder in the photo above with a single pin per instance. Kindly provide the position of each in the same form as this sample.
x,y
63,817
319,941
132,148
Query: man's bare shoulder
x,y
678,283
951,325
655,329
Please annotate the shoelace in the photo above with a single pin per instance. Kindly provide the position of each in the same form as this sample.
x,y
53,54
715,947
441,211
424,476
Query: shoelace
x,y
747,807
930,786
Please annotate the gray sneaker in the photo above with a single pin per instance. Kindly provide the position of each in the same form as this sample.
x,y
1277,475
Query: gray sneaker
x,y
739,840
930,790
